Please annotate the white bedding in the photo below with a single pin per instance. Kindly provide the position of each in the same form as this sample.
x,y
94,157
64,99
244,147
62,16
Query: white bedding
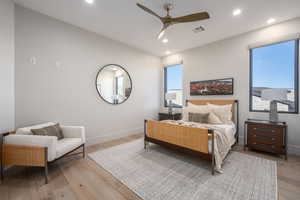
x,y
229,130
224,138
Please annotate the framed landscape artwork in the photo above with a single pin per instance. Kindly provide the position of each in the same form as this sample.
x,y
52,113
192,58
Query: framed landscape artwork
x,y
212,87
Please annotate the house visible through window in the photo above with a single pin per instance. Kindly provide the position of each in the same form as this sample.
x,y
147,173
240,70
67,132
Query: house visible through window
x,y
274,76
173,84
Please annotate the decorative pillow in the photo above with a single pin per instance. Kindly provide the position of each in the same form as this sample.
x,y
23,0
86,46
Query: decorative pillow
x,y
212,118
198,117
27,130
193,109
54,130
223,112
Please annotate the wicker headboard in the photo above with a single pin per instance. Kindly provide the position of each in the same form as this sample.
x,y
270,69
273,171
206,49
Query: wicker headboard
x,y
219,102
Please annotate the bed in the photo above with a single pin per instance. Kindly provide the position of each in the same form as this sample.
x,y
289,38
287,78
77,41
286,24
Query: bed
x,y
208,141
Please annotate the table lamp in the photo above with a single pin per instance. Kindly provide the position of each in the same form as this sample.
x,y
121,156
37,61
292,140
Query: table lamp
x,y
274,95
169,97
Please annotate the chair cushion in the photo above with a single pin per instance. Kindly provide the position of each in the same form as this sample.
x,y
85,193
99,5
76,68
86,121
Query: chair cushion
x,y
66,145
53,130
27,130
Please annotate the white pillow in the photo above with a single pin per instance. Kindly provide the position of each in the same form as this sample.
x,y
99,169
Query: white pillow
x,y
223,112
214,119
192,108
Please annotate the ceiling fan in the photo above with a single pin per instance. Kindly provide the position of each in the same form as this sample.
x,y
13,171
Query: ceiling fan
x,y
168,20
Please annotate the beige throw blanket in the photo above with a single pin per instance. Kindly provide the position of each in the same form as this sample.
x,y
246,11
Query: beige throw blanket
x,y
224,138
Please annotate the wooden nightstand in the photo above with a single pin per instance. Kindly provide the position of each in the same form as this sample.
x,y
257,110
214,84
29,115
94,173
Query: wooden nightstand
x,y
266,136
166,116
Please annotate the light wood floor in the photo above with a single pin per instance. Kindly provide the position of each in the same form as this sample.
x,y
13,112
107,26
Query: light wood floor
x,y
78,178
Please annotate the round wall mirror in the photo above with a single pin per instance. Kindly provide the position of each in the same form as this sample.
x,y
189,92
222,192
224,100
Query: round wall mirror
x,y
113,84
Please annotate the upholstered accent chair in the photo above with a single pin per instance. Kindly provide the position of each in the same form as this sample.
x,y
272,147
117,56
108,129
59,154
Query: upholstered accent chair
x,y
25,149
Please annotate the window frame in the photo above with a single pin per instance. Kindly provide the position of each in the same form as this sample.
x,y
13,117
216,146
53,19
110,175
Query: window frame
x,y
296,77
166,86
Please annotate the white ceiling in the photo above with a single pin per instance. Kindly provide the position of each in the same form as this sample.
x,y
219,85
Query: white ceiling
x,y
123,21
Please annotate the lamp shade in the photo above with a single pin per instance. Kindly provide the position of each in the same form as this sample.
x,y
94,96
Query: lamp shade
x,y
170,96
276,94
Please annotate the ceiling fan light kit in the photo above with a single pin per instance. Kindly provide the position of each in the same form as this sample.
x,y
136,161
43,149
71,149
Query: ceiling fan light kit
x,y
168,20
162,33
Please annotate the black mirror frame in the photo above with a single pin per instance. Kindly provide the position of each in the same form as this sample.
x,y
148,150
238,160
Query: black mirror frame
x,y
97,87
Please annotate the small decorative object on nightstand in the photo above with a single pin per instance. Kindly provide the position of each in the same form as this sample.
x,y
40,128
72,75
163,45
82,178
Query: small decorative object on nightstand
x,y
274,95
266,136
169,98
166,116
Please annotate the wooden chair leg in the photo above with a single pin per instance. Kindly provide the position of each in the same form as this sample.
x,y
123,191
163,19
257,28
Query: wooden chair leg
x,y
46,173
46,165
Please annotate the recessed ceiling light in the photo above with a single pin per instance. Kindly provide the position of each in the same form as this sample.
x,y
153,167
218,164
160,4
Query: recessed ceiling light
x,y
165,40
271,21
89,1
168,52
237,12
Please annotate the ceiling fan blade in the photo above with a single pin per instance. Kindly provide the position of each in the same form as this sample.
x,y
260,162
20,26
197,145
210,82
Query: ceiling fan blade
x,y
162,32
191,18
148,10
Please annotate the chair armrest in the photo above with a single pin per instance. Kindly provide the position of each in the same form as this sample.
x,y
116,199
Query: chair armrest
x,y
21,155
74,132
34,140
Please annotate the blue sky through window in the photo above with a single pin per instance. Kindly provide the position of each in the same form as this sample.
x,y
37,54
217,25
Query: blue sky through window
x,y
174,77
274,65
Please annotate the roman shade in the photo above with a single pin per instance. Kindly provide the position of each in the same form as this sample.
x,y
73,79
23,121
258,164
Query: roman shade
x,y
270,41
172,60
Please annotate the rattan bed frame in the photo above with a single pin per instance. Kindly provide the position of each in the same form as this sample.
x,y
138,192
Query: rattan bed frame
x,y
188,139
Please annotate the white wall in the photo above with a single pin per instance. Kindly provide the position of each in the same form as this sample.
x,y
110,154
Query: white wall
x,y
230,58
67,93
7,104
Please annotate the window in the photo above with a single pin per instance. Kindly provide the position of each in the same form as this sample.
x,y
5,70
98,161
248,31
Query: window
x,y
173,84
274,76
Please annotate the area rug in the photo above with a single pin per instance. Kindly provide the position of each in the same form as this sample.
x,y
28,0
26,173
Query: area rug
x,y
162,174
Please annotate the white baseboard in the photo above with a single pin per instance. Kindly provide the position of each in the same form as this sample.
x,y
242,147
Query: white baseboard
x,y
292,149
113,135
241,140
